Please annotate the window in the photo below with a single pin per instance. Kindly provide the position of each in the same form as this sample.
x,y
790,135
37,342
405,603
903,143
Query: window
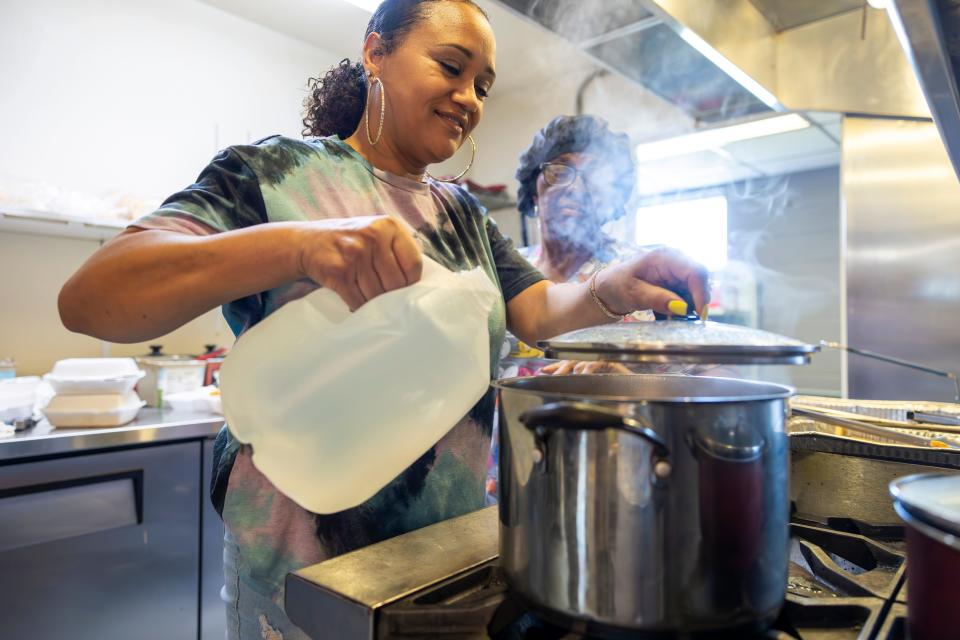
x,y
696,227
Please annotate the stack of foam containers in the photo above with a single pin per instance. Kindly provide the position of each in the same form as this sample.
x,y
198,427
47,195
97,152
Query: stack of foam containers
x,y
93,392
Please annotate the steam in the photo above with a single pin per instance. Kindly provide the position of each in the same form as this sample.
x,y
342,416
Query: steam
x,y
786,297
791,299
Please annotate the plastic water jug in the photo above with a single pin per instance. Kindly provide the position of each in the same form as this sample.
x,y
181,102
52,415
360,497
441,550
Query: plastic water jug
x,y
337,404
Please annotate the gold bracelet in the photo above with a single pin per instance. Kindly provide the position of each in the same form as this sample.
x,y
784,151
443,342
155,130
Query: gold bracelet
x,y
593,294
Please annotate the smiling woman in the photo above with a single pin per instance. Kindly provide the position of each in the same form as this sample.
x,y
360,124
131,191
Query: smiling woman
x,y
424,118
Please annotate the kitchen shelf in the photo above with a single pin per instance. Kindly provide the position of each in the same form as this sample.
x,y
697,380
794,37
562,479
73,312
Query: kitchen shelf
x,y
58,225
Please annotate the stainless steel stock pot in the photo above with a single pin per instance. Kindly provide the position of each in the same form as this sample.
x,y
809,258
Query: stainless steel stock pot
x,y
648,502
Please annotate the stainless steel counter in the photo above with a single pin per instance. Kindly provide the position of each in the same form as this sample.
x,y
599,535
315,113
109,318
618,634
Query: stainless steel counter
x,y
152,426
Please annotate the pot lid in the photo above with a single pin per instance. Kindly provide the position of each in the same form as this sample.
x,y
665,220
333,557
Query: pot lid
x,y
934,498
681,341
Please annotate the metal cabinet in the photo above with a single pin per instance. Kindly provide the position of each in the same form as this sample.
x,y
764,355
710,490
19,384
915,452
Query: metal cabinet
x,y
103,546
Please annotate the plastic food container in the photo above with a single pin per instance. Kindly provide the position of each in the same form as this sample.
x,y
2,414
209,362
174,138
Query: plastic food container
x,y
97,376
169,374
17,397
104,410
930,505
205,399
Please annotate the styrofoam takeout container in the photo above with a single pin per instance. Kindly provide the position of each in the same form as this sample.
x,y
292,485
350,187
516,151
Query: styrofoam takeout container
x,y
102,410
96,376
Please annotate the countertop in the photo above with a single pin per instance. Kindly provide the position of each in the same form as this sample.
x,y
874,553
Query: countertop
x,y
151,426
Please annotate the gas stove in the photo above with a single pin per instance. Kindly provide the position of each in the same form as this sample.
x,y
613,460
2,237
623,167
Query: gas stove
x,y
845,582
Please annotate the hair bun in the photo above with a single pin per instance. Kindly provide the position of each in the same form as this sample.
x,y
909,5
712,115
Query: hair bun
x,y
335,103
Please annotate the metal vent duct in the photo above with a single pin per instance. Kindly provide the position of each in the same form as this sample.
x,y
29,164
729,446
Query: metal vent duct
x,y
930,33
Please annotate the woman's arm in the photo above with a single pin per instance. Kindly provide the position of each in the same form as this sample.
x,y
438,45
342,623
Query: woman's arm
x,y
650,281
146,283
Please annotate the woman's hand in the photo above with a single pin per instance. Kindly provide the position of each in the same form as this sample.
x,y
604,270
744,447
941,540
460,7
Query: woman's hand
x,y
359,258
654,280
577,367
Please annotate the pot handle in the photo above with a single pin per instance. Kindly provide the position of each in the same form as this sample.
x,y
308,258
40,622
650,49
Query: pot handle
x,y
586,416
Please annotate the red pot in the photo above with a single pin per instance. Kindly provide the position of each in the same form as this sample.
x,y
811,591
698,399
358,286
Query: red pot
x,y
930,505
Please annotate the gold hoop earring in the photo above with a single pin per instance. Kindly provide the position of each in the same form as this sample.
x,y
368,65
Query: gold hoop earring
x,y
473,156
366,111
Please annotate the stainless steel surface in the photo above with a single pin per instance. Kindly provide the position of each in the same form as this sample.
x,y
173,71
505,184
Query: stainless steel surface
x,y
827,66
581,21
149,427
821,65
631,39
789,14
133,581
67,512
928,29
825,486
723,60
898,361
681,341
339,598
213,619
729,32
900,194
590,530
845,478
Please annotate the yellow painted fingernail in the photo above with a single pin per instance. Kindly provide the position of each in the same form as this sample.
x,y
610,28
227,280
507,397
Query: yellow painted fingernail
x,y
677,307
704,313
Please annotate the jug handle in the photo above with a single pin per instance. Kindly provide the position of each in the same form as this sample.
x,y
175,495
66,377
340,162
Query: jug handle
x,y
586,416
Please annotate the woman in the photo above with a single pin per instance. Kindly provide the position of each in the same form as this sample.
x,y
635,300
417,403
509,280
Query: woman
x,y
575,177
354,210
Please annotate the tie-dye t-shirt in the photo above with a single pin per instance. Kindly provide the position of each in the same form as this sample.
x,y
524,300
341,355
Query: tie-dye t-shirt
x,y
282,179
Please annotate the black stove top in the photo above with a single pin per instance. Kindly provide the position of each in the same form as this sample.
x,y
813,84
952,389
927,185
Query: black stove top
x,y
842,585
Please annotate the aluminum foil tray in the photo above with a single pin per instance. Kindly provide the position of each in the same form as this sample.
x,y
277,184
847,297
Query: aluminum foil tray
x,y
886,409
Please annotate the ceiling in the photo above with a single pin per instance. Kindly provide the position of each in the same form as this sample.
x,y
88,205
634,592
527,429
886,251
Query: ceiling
x,y
338,27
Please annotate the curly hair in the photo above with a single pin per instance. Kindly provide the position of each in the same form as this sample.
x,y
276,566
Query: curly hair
x,y
571,134
335,102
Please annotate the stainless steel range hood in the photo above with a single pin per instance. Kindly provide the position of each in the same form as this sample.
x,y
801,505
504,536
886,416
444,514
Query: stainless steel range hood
x,y
929,31
633,39
725,59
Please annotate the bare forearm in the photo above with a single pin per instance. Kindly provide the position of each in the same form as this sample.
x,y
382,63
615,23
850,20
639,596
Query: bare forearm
x,y
569,306
147,283
547,310
653,280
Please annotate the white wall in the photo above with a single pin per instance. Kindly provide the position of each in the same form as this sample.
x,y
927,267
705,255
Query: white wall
x,y
137,95
133,96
